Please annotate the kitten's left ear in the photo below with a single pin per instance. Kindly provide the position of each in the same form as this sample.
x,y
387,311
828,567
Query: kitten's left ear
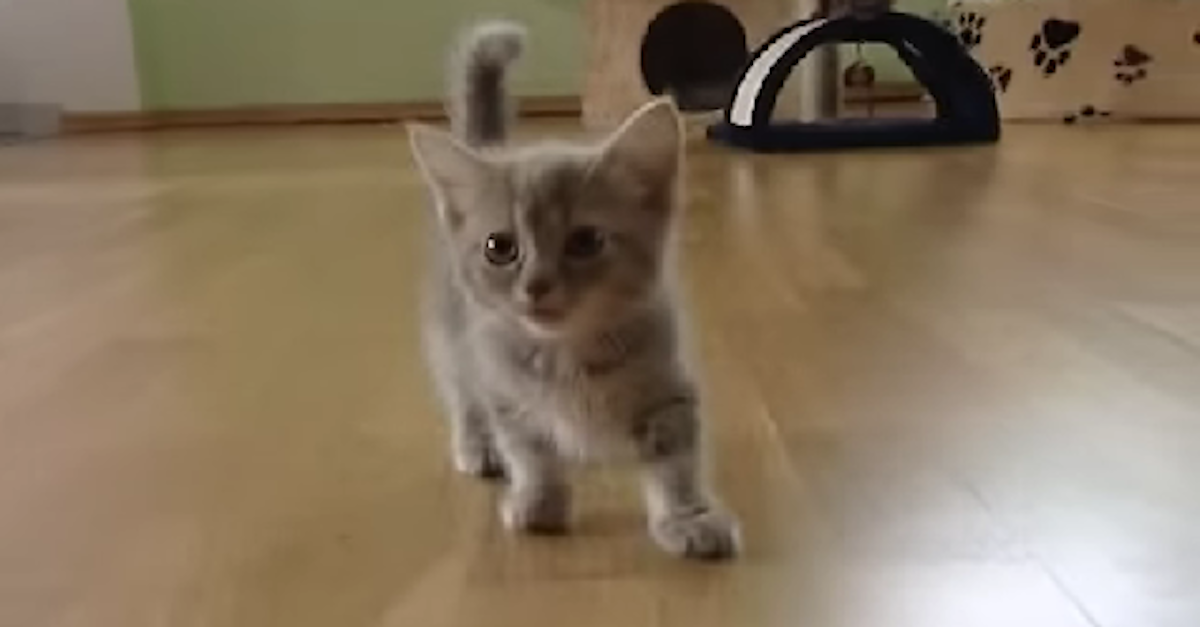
x,y
450,168
648,146
445,162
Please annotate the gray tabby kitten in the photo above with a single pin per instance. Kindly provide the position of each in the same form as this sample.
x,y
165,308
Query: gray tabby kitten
x,y
549,325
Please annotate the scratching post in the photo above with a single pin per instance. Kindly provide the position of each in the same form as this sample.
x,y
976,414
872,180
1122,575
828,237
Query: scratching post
x,y
692,50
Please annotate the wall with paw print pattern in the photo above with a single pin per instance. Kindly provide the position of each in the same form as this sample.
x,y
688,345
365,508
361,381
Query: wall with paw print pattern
x,y
1081,60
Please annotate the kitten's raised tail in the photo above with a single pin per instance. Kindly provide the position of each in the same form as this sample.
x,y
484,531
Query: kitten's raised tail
x,y
479,102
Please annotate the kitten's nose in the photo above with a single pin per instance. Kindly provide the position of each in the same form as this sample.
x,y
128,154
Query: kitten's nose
x,y
538,288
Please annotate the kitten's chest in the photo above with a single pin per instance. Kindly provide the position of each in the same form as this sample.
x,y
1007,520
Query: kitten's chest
x,y
582,403
565,384
585,419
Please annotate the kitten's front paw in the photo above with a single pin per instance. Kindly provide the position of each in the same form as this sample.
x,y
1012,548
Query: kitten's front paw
x,y
543,511
478,458
709,534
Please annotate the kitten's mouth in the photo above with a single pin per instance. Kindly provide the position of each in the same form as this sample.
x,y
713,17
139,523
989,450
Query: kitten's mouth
x,y
545,315
544,320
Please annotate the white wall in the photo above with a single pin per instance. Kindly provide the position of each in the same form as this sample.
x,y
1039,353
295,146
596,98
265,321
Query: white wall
x,y
10,84
74,53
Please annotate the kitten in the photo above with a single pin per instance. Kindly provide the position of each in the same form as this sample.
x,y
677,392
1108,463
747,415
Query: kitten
x,y
550,328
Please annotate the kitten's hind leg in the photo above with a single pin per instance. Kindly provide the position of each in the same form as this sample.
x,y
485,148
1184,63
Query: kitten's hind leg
x,y
685,520
472,446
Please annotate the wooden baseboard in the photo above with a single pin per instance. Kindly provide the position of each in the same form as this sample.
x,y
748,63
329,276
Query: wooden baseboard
x,y
537,106
376,113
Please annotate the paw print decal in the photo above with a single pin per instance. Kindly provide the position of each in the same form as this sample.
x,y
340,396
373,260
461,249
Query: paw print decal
x,y
1051,47
1196,38
1085,113
1132,65
970,29
1001,77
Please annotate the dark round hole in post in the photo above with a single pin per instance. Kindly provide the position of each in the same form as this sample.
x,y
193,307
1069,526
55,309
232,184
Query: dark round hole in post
x,y
694,51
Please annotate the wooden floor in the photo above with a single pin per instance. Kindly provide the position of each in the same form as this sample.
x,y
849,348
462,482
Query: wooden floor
x,y
947,388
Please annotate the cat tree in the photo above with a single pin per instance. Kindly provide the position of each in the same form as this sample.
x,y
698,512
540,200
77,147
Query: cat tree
x,y
617,54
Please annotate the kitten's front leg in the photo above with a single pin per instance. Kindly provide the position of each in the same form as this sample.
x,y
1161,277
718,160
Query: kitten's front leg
x,y
685,519
538,499
471,442
471,446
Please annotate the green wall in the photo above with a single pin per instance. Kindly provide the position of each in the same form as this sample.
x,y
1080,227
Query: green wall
x,y
220,53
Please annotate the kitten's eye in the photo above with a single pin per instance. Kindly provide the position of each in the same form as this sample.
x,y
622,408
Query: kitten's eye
x,y
584,243
501,249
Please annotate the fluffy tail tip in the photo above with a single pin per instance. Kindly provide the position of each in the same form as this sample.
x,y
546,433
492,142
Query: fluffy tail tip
x,y
495,43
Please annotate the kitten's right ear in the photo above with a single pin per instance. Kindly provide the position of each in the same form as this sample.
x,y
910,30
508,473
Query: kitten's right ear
x,y
648,146
448,166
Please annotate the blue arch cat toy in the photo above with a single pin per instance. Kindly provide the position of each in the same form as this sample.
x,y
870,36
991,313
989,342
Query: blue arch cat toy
x,y
966,106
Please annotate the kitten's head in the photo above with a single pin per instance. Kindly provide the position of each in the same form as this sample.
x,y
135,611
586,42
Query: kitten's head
x,y
561,239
